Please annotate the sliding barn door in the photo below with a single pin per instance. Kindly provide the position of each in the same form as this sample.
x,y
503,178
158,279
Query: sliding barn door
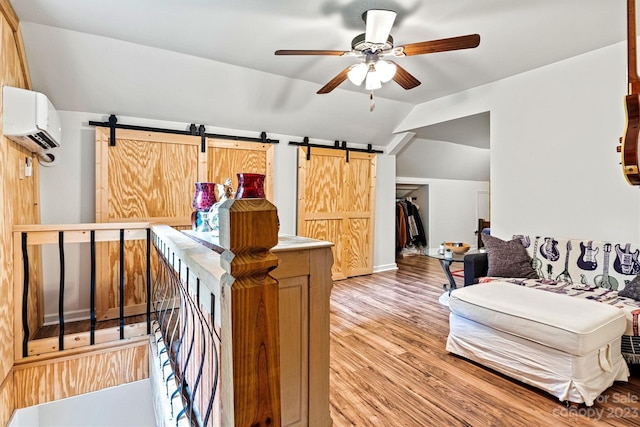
x,y
150,176
336,202
225,159
145,176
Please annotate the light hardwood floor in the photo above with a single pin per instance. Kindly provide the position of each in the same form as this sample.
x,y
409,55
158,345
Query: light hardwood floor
x,y
389,366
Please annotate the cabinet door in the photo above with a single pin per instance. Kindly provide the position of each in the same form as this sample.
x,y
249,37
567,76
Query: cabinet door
x,y
336,202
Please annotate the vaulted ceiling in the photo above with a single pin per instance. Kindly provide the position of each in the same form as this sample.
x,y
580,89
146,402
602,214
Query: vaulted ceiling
x,y
213,62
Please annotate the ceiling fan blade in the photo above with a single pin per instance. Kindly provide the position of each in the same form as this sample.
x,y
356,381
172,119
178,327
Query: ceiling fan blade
x,y
442,45
378,25
311,52
335,82
404,78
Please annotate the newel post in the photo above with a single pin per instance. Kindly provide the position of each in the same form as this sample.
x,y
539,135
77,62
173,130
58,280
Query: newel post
x,y
250,344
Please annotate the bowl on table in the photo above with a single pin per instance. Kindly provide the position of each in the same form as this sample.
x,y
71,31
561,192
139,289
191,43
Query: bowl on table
x,y
457,247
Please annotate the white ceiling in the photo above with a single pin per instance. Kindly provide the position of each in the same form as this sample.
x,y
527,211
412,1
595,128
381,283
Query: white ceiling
x,y
261,91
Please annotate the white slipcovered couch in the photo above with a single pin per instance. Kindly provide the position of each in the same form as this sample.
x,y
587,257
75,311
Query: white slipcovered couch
x,y
551,313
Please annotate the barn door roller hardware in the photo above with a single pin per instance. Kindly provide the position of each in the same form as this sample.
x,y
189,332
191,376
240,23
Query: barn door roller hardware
x,y
194,130
336,146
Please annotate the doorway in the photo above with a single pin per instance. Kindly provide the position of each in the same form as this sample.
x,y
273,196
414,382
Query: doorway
x,y
418,195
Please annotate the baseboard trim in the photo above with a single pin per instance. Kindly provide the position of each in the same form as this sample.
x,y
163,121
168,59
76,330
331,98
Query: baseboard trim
x,y
69,316
385,267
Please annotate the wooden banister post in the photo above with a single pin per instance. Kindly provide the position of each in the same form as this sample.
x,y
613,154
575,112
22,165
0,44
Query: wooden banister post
x,y
250,346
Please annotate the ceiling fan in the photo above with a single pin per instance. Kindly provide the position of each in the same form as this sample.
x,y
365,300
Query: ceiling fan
x,y
375,46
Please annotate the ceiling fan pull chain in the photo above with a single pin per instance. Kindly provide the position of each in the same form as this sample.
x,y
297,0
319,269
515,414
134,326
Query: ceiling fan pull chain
x,y
373,102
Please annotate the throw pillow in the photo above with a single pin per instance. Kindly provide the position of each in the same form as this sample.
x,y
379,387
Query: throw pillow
x,y
632,289
507,258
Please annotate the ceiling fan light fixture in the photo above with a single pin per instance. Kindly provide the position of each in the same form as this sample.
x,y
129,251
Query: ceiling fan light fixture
x,y
357,73
385,70
373,80
378,25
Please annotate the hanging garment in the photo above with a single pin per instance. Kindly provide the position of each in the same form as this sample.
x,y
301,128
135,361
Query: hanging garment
x,y
401,227
418,235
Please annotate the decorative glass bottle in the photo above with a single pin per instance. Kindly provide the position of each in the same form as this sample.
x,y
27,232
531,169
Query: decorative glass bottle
x,y
203,199
250,186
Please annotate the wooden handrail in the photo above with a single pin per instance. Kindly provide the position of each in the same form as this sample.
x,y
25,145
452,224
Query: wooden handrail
x,y
28,294
231,291
245,307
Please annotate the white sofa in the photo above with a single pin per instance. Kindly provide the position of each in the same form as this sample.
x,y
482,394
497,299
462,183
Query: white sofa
x,y
563,332
540,338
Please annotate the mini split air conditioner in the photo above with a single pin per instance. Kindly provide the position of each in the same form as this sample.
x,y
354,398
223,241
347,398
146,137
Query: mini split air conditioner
x,y
32,121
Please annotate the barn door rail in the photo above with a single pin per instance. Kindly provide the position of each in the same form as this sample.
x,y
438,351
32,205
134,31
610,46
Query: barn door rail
x,y
337,145
193,130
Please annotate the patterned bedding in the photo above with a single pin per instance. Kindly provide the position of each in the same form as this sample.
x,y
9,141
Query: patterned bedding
x,y
588,269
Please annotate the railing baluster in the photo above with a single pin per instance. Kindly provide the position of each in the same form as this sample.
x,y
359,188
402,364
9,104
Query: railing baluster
x,y
216,364
180,323
203,353
148,272
184,386
93,287
61,292
25,296
121,284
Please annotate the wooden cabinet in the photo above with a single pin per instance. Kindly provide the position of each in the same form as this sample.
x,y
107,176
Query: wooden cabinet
x,y
304,276
304,282
336,202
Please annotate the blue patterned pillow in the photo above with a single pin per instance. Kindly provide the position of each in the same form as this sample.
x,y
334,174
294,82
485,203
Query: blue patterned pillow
x,y
632,289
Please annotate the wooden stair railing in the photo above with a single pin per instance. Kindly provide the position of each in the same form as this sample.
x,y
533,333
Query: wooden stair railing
x,y
225,302
230,286
29,294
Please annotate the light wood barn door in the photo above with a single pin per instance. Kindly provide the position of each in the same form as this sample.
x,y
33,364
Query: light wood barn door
x,y
336,202
225,159
146,176
150,176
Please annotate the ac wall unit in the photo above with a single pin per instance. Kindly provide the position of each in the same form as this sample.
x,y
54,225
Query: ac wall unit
x,y
32,121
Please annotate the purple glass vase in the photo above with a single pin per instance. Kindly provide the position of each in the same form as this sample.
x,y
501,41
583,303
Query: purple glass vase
x,y
204,197
250,186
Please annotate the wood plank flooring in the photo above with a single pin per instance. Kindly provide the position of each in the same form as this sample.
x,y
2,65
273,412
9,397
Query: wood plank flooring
x,y
389,366
85,326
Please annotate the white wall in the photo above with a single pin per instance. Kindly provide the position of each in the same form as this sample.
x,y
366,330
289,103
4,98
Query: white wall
x,y
68,196
443,160
554,130
125,405
385,223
